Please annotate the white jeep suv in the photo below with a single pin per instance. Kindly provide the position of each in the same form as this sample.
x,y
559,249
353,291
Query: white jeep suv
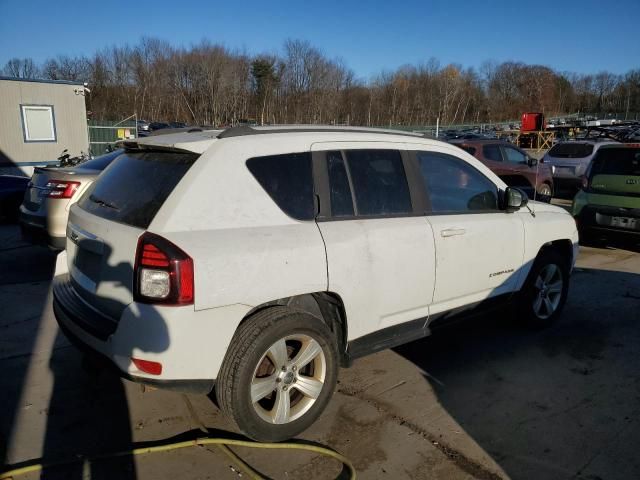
x,y
260,260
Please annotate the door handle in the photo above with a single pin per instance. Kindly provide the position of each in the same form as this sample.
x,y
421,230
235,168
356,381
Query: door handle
x,y
450,232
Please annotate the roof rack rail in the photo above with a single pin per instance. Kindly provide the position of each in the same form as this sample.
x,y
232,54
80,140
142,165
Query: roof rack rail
x,y
245,130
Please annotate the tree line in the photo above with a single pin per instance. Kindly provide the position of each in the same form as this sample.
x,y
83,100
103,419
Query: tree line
x,y
210,84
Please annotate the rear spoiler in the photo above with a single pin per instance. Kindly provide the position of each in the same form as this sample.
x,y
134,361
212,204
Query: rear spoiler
x,y
133,146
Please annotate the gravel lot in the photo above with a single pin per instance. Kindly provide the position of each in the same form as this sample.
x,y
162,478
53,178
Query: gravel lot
x,y
485,399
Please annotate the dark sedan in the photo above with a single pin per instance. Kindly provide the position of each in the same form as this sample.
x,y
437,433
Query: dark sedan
x,y
12,188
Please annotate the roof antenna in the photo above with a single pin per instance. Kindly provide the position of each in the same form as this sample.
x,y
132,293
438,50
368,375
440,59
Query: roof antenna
x,y
532,212
535,186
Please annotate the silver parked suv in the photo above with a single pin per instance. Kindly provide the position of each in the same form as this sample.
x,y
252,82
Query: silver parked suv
x,y
569,161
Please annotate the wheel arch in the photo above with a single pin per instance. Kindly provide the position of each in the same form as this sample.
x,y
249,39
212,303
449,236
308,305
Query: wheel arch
x,y
563,246
549,183
327,306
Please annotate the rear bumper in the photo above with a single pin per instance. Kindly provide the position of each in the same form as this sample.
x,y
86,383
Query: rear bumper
x,y
184,386
115,342
34,230
565,182
596,219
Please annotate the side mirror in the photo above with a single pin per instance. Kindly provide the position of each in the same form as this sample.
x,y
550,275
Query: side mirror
x,y
532,162
515,199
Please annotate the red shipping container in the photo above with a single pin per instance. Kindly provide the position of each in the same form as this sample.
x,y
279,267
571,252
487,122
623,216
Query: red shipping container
x,y
532,122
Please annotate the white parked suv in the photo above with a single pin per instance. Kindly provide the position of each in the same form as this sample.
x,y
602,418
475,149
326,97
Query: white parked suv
x,y
260,260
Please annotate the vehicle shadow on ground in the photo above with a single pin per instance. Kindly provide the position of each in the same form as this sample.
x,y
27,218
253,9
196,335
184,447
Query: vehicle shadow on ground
x,y
88,415
632,245
52,396
25,273
554,403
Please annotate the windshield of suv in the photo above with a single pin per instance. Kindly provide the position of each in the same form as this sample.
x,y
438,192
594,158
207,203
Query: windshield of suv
x,y
617,161
133,188
571,150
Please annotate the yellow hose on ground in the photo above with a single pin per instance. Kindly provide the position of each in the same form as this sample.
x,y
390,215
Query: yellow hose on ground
x,y
223,443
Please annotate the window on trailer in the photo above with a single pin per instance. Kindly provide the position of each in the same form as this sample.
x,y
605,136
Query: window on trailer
x,y
38,123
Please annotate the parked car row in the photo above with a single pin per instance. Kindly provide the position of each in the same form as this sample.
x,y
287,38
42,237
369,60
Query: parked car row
x,y
144,127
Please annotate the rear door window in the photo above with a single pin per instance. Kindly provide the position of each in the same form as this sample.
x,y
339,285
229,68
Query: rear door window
x,y
379,182
134,186
340,190
454,186
514,156
288,179
492,152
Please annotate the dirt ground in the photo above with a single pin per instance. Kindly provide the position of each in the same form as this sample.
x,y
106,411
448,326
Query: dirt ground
x,y
485,399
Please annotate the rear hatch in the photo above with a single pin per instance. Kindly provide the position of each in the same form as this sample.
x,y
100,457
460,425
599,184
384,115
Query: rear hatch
x,y
104,226
569,158
616,170
614,187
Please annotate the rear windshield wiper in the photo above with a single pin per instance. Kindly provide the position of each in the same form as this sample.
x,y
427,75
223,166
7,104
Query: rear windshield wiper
x,y
102,203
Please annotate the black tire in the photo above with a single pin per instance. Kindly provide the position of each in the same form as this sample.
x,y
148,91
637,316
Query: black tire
x,y
246,354
545,197
531,291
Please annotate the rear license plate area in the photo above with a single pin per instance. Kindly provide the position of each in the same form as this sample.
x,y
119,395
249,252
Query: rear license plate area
x,y
565,170
624,222
615,221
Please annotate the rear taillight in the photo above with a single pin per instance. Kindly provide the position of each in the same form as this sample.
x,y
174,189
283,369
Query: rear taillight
x,y
585,182
163,272
61,188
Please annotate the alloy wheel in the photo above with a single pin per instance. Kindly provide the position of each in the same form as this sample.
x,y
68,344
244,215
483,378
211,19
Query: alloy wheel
x,y
545,190
547,291
288,379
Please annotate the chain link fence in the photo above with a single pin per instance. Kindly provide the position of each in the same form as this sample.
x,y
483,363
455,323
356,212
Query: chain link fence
x,y
104,134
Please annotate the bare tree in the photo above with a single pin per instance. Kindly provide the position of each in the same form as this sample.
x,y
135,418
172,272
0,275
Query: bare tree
x,y
21,68
210,84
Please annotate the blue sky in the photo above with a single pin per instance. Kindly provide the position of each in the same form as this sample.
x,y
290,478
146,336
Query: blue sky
x,y
577,36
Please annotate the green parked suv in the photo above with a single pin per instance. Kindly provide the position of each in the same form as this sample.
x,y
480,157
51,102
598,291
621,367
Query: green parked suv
x,y
609,203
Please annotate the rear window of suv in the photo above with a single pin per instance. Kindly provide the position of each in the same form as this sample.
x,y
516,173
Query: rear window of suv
x,y
617,161
134,186
571,150
101,162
